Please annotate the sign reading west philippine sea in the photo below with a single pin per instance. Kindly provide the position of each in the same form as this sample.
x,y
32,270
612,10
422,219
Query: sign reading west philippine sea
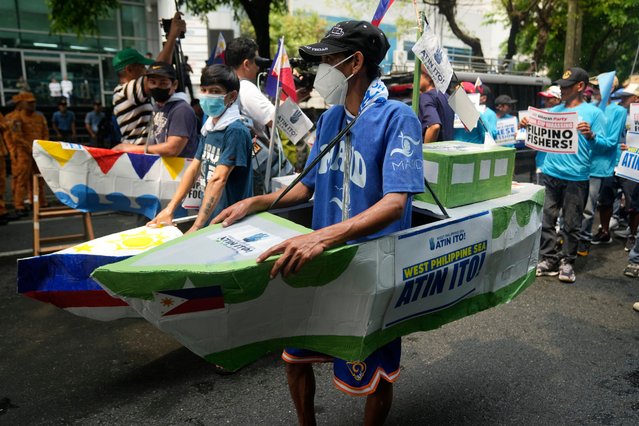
x,y
552,131
628,166
450,270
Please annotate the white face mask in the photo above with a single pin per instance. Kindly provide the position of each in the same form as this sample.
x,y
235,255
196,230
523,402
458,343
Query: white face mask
x,y
331,83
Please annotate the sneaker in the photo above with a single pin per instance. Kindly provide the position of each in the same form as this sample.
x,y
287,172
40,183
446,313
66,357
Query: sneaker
x,y
636,306
622,233
601,237
546,268
583,249
566,273
614,223
630,243
632,270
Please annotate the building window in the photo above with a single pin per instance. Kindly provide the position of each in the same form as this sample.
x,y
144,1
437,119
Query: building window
x,y
8,14
133,21
33,15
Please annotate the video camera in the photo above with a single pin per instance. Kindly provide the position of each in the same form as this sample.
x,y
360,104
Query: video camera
x,y
166,26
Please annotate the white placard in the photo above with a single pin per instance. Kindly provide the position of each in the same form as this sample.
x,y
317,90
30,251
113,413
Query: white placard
x,y
506,130
434,58
628,166
464,108
193,200
521,132
292,121
552,131
633,118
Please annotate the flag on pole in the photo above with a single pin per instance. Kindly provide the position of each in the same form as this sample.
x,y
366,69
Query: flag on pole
x,y
478,85
434,58
218,55
282,67
606,81
382,8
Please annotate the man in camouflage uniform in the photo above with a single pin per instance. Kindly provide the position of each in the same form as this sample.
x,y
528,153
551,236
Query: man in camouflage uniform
x,y
24,125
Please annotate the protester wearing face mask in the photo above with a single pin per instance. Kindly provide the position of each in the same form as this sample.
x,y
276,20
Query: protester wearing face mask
x,y
131,101
363,189
173,130
222,163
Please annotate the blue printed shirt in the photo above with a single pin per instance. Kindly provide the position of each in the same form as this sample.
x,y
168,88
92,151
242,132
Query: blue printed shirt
x,y
231,146
386,157
576,167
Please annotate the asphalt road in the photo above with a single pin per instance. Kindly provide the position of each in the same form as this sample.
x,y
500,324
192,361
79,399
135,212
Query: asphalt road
x,y
558,354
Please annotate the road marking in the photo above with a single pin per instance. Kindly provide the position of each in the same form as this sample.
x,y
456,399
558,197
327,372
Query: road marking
x,y
16,252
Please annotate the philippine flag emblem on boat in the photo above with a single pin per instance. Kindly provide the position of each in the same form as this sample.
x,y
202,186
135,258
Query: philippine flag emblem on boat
x,y
189,300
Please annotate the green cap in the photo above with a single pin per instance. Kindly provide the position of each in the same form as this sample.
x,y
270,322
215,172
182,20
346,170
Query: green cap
x,y
129,56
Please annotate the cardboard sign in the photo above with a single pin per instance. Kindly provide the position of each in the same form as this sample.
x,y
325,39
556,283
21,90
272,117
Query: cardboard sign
x,y
552,131
628,166
448,271
434,58
521,132
506,130
464,108
193,200
292,121
633,118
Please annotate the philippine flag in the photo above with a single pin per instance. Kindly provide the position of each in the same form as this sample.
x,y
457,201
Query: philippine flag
x,y
189,300
382,8
282,67
218,55
63,278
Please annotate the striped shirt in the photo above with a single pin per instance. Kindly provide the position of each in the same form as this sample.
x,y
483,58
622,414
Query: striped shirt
x,y
133,111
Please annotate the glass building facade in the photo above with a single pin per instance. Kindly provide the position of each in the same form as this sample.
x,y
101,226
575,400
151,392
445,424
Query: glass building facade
x,y
31,57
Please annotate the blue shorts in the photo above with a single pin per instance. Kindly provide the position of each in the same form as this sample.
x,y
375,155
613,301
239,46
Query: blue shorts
x,y
359,378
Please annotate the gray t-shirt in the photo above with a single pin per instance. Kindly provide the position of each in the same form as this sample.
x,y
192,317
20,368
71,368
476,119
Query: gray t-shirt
x,y
175,118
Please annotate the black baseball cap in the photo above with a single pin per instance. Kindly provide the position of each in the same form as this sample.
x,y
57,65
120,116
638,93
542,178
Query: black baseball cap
x,y
161,69
572,76
349,36
505,99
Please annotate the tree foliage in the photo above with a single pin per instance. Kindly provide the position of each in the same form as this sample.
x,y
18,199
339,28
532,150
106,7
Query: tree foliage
x,y
79,16
538,29
256,10
298,29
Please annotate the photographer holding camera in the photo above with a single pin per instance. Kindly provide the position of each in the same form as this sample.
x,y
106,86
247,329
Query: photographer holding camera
x,y
131,98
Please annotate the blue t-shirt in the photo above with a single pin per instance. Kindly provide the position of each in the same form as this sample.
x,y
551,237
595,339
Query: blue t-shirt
x,y
434,109
175,118
386,157
93,120
229,147
605,158
63,121
576,167
476,135
490,120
